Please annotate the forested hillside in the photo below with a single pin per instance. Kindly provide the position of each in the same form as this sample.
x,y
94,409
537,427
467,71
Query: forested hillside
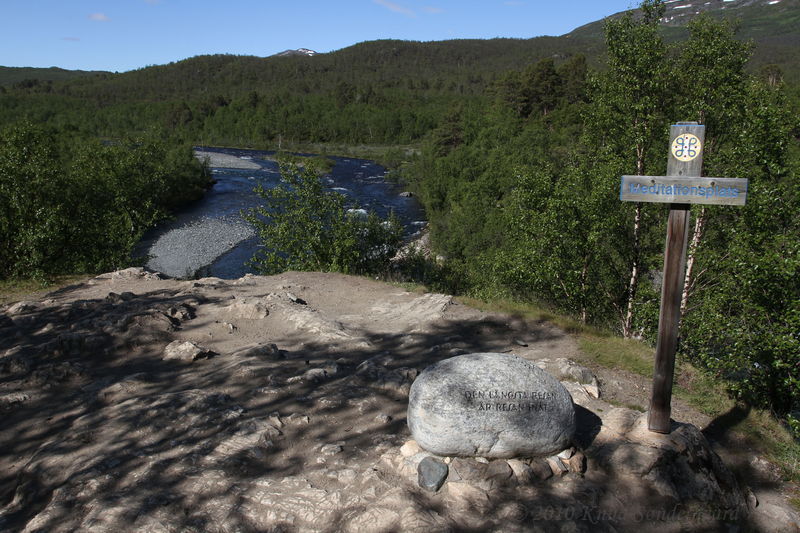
x,y
376,92
379,92
26,77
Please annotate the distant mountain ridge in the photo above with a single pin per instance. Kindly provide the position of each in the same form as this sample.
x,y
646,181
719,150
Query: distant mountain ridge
x,y
22,75
774,25
297,52
680,11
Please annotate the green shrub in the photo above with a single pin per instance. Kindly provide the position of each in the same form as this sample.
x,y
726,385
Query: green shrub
x,y
70,204
302,226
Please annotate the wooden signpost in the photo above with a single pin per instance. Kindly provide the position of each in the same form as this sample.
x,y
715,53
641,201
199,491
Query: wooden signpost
x,y
681,187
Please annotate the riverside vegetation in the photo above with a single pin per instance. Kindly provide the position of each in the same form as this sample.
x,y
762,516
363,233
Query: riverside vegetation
x,y
518,171
71,204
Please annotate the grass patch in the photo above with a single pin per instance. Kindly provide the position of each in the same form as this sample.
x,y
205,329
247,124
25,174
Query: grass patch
x,y
15,290
626,405
410,286
618,353
529,311
761,429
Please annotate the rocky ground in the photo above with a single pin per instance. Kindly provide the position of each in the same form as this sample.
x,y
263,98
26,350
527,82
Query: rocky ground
x,y
136,403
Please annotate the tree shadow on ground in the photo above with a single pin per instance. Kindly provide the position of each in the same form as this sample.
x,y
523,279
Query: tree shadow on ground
x,y
113,436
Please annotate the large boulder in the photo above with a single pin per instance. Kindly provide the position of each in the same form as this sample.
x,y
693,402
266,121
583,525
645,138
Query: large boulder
x,y
490,405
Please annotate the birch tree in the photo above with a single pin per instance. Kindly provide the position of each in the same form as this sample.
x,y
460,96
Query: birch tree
x,y
630,108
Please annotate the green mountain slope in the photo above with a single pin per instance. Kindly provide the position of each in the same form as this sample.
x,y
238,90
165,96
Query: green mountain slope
x,y
774,27
26,75
385,91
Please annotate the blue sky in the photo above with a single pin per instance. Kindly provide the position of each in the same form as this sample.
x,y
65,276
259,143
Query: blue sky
x,y
120,35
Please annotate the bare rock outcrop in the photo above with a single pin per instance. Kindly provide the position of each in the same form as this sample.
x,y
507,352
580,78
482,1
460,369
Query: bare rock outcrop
x,y
298,421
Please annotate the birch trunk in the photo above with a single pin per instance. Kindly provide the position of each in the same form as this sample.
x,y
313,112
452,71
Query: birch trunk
x,y
697,238
627,322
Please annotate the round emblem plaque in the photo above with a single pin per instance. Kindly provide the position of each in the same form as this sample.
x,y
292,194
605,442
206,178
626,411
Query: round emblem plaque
x,y
686,147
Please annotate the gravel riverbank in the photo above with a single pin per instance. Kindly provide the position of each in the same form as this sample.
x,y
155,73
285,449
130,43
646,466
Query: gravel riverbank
x,y
220,160
183,251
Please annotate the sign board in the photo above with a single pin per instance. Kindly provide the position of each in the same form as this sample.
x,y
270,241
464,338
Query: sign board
x,y
683,190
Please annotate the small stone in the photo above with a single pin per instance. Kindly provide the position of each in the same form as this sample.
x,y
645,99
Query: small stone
x,y
577,463
248,309
567,453
21,308
520,343
383,418
315,375
115,298
410,448
184,351
348,475
417,458
297,419
592,390
522,471
295,299
272,432
540,469
483,460
331,449
498,474
569,370
275,420
431,474
499,470
556,466
258,350
13,398
468,469
233,413
46,329
466,496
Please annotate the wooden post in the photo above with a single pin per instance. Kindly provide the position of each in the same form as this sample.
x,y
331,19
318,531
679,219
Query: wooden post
x,y
682,187
685,160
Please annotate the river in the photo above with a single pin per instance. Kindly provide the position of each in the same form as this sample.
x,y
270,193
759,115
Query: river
x,y
210,238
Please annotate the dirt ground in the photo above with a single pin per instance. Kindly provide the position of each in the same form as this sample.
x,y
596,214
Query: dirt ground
x,y
287,413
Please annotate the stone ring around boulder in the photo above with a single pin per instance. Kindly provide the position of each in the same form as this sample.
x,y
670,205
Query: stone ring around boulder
x,y
490,405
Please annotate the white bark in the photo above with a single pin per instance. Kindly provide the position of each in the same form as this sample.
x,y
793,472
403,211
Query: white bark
x,y
697,238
